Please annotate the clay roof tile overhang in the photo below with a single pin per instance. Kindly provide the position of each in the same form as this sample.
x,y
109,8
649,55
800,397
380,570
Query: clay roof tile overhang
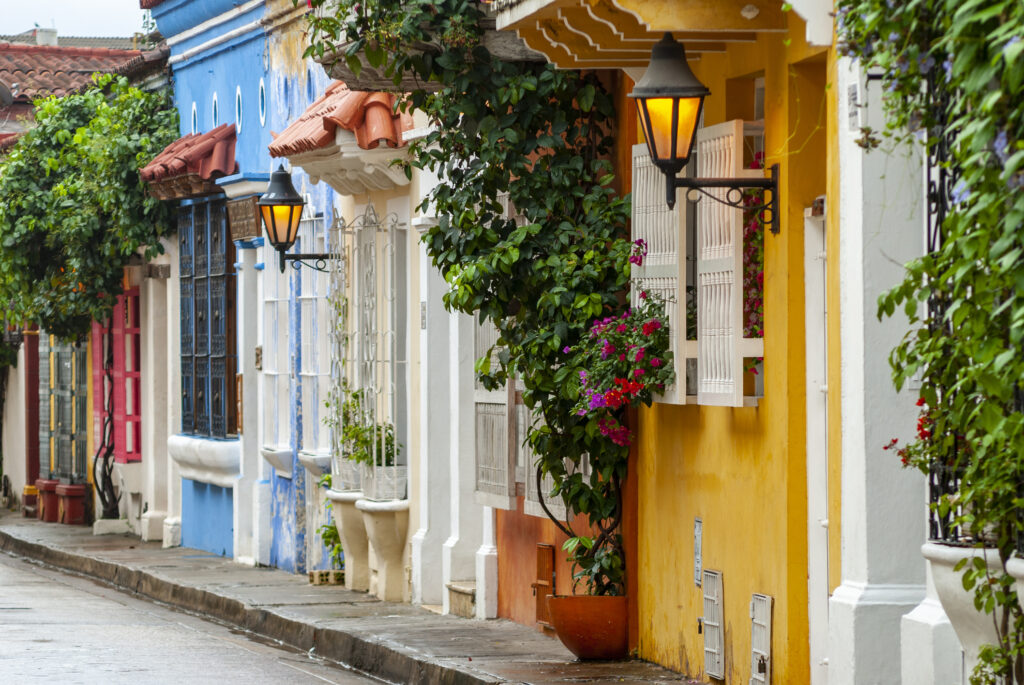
x,y
189,166
370,116
42,70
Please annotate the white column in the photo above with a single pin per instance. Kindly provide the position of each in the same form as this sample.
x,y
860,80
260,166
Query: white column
x,y
154,315
465,520
930,651
245,497
883,573
263,393
435,416
487,569
172,522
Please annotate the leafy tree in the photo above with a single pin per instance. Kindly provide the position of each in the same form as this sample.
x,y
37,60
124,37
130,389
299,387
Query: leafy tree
x,y
538,140
73,209
953,79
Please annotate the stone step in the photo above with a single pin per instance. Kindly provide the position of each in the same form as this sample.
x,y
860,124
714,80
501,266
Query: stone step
x,y
462,598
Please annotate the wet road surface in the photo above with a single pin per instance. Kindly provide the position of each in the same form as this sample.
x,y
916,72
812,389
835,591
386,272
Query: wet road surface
x,y
61,628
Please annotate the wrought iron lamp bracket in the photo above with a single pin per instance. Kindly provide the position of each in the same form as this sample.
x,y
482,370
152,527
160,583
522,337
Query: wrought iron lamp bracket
x,y
315,260
696,187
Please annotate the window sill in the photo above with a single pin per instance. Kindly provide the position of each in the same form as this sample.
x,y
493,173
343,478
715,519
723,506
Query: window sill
x,y
280,458
317,463
216,462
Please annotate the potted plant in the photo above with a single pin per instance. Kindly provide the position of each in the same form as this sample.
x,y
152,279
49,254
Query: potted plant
x,y
331,539
623,362
531,235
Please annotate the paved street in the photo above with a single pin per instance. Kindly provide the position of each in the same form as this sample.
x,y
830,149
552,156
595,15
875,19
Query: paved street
x,y
67,629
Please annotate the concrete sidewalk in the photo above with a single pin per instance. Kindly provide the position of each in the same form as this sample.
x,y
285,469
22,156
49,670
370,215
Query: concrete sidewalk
x,y
395,642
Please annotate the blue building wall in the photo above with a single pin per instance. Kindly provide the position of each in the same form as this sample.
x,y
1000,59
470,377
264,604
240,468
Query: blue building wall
x,y
231,72
207,518
294,84
261,83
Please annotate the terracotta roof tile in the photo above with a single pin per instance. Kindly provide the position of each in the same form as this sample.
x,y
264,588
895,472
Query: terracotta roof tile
x,y
201,157
369,115
41,70
115,42
8,139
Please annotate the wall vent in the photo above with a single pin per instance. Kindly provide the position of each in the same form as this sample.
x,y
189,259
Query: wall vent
x,y
760,639
714,647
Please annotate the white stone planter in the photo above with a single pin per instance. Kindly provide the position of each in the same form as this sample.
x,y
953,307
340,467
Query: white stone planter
x,y
347,476
385,482
354,543
973,628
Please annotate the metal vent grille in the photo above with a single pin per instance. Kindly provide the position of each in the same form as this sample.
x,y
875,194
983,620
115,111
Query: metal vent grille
x,y
714,661
760,639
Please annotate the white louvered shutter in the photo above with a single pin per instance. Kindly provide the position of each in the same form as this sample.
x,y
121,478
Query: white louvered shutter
x,y
760,639
495,468
531,502
714,645
664,268
720,343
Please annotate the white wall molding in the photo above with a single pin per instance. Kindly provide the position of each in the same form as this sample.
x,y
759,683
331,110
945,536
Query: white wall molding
x,y
351,170
214,22
216,462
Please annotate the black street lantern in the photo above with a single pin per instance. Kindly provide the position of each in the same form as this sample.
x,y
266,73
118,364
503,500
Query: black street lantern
x,y
669,99
281,208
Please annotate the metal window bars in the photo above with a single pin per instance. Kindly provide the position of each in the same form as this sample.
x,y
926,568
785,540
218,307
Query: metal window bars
x,y
945,471
368,395
274,358
314,354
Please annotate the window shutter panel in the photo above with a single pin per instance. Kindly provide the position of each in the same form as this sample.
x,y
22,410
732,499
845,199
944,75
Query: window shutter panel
x,y
495,464
760,640
714,661
720,271
527,457
664,268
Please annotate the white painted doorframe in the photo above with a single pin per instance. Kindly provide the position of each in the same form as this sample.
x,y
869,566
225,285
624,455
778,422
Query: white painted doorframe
x,y
816,310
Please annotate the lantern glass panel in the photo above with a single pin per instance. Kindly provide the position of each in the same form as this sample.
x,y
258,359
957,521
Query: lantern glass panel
x,y
660,123
282,222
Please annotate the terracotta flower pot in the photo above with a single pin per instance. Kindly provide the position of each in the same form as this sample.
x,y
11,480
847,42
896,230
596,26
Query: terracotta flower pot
x,y
591,627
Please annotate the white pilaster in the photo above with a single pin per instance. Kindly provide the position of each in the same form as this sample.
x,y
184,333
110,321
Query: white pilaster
x,y
172,522
883,574
435,452
154,317
464,513
487,569
246,498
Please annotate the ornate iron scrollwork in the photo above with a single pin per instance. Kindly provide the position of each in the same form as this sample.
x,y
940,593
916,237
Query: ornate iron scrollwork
x,y
734,197
945,471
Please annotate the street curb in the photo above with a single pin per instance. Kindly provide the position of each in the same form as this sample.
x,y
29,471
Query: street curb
x,y
389,662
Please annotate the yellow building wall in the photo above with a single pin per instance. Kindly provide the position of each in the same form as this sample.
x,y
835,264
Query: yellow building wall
x,y
742,471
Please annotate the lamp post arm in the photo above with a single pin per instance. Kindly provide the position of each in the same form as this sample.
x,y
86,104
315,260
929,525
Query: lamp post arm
x,y
314,260
737,185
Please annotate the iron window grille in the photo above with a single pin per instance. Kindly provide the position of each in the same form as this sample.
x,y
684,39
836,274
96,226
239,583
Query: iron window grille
x,y
63,409
207,290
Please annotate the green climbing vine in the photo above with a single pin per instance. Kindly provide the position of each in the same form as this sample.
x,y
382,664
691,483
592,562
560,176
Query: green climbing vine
x,y
73,209
531,235
964,298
